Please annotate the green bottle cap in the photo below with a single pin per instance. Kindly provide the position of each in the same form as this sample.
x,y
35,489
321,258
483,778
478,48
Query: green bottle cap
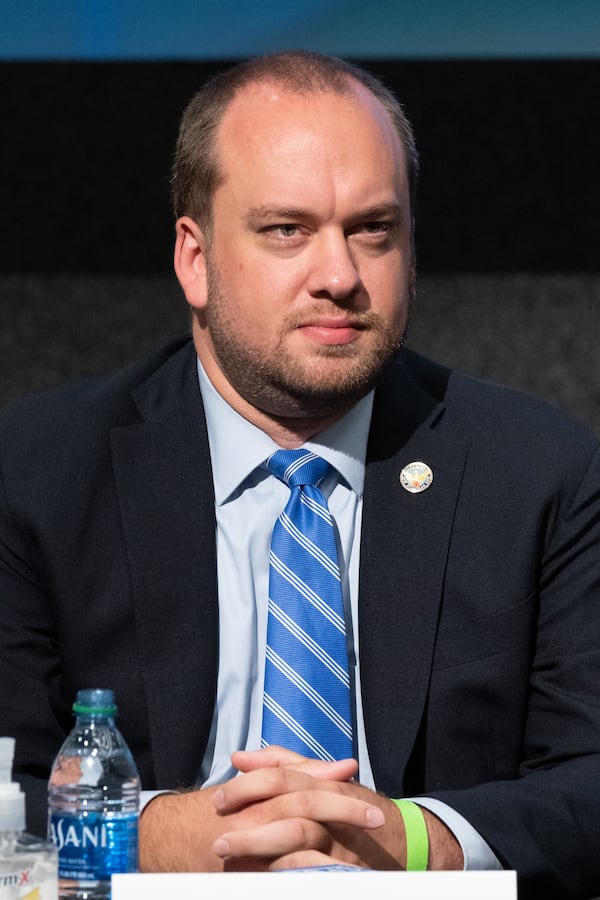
x,y
95,701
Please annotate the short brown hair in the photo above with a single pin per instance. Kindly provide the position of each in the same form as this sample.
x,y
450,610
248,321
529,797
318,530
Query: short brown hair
x,y
195,174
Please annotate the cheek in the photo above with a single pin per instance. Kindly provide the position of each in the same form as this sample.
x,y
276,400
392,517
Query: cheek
x,y
267,287
388,287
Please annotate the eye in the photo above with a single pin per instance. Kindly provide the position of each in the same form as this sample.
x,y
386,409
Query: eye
x,y
376,235
376,228
284,230
284,237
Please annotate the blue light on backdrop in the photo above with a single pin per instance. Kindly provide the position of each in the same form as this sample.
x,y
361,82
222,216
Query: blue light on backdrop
x,y
224,29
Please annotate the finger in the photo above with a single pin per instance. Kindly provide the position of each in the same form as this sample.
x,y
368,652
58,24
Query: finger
x,y
250,760
247,760
340,770
317,806
308,859
272,840
262,784
258,784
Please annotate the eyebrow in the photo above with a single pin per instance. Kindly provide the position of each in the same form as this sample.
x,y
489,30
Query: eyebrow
x,y
379,210
277,212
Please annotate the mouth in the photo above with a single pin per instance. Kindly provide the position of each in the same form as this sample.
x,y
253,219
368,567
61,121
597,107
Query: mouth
x,y
332,330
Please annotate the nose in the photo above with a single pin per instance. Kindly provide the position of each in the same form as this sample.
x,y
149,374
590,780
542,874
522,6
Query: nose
x,y
333,272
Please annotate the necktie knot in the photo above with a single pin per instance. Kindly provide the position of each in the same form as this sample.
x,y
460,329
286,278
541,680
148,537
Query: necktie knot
x,y
297,467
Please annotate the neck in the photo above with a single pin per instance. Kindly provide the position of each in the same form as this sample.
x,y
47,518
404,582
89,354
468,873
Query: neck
x,y
288,432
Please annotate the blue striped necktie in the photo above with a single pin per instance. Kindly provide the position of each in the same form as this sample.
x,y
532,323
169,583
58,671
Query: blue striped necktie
x,y
306,705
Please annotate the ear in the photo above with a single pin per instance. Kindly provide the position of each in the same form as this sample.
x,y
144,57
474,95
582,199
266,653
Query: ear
x,y
190,261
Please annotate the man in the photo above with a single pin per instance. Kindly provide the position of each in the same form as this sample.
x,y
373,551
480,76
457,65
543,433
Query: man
x,y
137,514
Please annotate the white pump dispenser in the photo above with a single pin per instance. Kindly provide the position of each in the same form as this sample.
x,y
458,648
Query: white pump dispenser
x,y
12,798
28,865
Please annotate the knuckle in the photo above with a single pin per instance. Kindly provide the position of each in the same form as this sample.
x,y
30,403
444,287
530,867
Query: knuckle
x,y
299,834
313,805
275,779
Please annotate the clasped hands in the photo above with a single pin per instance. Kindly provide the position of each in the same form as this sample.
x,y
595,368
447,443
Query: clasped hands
x,y
287,811
283,811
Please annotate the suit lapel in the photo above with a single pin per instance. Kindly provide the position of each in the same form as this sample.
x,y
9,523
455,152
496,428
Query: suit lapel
x,y
405,539
164,482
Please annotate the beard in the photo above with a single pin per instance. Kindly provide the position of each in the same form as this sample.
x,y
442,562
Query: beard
x,y
288,384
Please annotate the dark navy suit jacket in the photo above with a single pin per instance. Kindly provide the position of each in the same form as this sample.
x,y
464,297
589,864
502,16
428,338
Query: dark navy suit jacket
x,y
479,600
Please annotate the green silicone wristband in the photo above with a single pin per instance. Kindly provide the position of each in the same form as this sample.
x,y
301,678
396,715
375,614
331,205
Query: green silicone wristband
x,y
417,839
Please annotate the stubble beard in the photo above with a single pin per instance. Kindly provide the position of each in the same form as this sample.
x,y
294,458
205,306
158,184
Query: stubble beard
x,y
286,385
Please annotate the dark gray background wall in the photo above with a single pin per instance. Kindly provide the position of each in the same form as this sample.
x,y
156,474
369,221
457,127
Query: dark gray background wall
x,y
535,332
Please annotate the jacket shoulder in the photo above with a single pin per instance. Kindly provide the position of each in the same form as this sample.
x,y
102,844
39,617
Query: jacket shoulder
x,y
91,403
487,412
108,391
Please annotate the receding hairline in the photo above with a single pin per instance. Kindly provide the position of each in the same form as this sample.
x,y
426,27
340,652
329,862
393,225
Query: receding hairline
x,y
279,88
295,72
303,71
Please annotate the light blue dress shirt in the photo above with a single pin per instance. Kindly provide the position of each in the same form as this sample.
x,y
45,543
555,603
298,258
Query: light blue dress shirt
x,y
248,500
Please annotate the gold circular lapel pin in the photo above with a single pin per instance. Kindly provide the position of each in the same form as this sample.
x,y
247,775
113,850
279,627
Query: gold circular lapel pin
x,y
416,477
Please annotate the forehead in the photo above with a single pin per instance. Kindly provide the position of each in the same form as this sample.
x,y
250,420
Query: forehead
x,y
272,130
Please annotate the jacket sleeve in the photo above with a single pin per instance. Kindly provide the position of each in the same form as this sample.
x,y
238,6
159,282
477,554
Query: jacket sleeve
x,y
546,822
30,705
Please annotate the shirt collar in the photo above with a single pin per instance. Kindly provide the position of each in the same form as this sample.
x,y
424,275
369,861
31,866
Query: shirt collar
x,y
237,447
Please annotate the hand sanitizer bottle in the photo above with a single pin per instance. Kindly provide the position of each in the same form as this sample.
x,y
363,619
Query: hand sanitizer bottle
x,y
28,865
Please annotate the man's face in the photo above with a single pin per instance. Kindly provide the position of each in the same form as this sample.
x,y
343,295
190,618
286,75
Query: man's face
x,y
309,266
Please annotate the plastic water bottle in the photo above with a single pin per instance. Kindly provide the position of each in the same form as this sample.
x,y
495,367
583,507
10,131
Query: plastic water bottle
x,y
93,801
